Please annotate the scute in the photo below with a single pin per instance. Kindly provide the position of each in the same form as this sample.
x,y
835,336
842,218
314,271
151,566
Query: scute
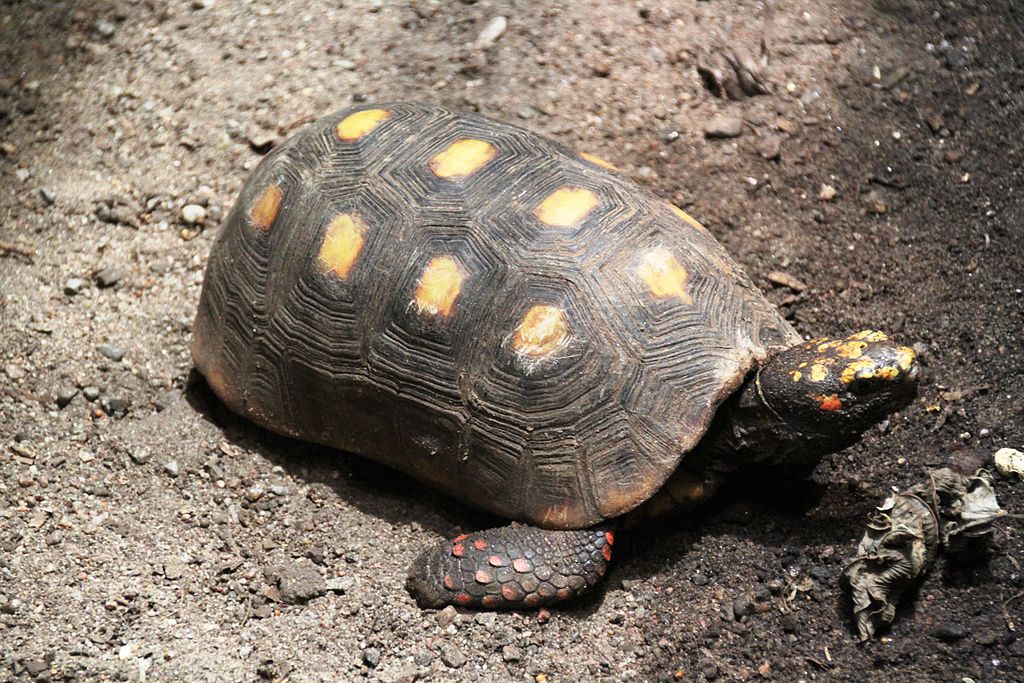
x,y
578,417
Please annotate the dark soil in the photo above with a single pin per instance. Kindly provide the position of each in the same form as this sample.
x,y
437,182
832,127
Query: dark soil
x,y
146,533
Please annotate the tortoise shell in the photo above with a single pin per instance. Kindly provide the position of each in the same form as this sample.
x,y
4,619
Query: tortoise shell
x,y
514,323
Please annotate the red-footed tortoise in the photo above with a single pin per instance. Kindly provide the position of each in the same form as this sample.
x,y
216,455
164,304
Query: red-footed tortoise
x,y
519,326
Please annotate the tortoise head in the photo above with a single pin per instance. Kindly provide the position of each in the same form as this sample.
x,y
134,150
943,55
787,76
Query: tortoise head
x,y
838,388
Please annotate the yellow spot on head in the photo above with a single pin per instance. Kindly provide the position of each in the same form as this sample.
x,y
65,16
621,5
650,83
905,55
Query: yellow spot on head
x,y
796,375
864,368
598,161
462,158
887,372
687,217
803,364
264,211
852,349
663,274
818,373
822,348
541,331
868,336
905,357
354,126
829,403
439,286
566,206
342,243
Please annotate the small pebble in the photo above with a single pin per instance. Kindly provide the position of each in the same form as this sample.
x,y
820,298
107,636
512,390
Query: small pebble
x,y
724,127
140,456
301,582
91,393
948,632
446,616
490,34
114,353
452,656
371,657
193,214
202,4
174,569
172,468
73,286
14,371
55,537
65,396
105,28
770,147
107,277
1009,461
511,653
48,195
827,193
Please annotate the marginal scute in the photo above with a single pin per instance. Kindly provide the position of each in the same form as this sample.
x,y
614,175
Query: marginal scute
x,y
664,275
462,158
264,210
355,126
342,243
566,206
439,286
541,330
598,161
693,222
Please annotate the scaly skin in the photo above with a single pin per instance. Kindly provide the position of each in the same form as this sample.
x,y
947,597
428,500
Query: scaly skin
x,y
511,567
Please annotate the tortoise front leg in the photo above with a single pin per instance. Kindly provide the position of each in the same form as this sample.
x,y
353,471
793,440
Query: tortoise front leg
x,y
511,567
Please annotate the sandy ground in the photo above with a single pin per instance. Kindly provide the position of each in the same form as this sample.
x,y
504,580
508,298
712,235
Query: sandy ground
x,y
145,533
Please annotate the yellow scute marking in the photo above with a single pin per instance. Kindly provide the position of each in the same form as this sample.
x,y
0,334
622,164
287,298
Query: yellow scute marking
x,y
354,126
264,211
462,158
687,217
342,243
905,357
796,375
598,161
541,330
664,275
852,349
439,286
863,369
566,206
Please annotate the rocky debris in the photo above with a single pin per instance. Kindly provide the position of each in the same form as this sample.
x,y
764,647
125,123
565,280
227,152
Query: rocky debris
x,y
490,34
107,277
770,147
783,279
723,126
452,656
48,195
65,395
371,657
827,192
301,582
733,72
948,632
73,286
447,616
193,214
114,353
172,468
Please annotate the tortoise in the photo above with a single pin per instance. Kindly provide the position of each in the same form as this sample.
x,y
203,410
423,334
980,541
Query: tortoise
x,y
520,326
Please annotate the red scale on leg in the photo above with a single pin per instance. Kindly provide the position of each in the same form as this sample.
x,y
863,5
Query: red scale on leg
x,y
458,550
490,601
521,565
480,544
495,561
511,592
463,598
483,576
460,538
564,593
449,583
607,553
610,537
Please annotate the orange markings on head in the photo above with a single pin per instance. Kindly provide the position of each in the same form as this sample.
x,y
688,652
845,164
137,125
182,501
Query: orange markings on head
x,y
664,275
483,576
463,598
355,126
830,403
566,206
606,552
448,582
598,161
521,565
541,330
264,211
462,158
610,537
495,561
439,286
693,222
342,243
458,550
